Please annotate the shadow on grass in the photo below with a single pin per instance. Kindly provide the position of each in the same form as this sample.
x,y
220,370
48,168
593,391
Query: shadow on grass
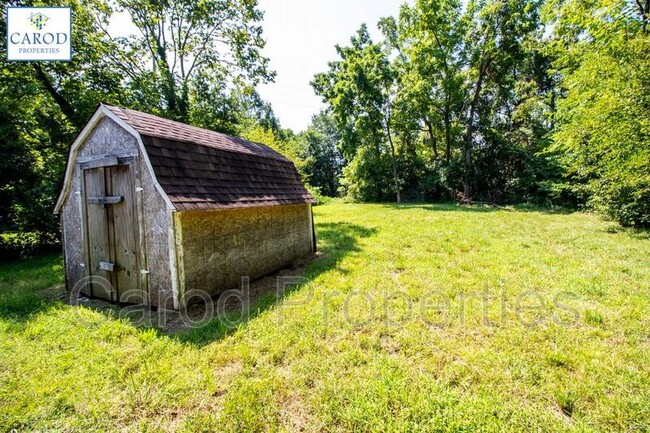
x,y
633,232
481,208
26,286
32,286
335,241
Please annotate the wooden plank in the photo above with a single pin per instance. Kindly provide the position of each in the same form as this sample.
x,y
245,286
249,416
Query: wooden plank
x,y
123,157
83,217
97,230
104,200
105,161
140,215
125,236
111,234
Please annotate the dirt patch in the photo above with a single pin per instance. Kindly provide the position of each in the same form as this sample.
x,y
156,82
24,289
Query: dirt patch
x,y
171,321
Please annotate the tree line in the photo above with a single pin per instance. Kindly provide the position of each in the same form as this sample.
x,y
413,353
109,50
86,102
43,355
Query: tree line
x,y
504,101
195,62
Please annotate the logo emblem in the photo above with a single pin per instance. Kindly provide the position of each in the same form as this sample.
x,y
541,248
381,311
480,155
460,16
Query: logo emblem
x,y
38,20
37,34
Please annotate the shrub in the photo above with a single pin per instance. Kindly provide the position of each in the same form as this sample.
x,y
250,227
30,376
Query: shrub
x,y
626,199
27,244
315,192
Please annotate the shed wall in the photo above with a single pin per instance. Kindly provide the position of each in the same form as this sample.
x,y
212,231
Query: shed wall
x,y
108,138
215,249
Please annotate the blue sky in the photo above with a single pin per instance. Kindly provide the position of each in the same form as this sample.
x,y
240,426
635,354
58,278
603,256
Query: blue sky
x,y
301,35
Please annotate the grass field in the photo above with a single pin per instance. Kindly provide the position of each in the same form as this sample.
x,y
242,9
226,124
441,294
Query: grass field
x,y
415,318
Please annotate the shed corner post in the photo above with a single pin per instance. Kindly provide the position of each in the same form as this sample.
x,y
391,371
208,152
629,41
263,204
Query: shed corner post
x,y
314,245
176,259
66,281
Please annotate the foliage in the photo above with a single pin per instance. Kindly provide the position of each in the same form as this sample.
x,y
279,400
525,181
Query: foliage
x,y
483,100
195,62
360,90
193,48
483,320
603,135
320,144
21,245
282,141
454,98
318,195
41,107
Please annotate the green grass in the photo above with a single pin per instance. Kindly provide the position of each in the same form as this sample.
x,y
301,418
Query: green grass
x,y
417,318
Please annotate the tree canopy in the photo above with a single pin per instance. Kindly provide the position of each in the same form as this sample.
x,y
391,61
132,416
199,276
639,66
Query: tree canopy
x,y
197,62
503,101
603,133
500,101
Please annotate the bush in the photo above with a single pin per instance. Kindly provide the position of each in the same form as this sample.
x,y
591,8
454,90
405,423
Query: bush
x,y
627,200
320,198
27,244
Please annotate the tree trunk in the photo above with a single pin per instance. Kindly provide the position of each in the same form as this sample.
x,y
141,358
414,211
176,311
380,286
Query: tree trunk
x,y
183,103
432,137
644,11
177,106
447,120
375,170
65,106
469,136
392,152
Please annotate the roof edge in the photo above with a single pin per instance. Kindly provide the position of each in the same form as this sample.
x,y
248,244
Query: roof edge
x,y
100,113
72,153
136,125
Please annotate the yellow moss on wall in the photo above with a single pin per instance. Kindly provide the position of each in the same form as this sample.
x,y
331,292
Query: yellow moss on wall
x,y
218,248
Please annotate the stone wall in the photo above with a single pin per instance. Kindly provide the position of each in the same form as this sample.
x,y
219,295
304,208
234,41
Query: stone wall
x,y
216,248
109,138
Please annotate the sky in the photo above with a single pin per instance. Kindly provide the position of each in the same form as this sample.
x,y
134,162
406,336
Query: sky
x,y
301,35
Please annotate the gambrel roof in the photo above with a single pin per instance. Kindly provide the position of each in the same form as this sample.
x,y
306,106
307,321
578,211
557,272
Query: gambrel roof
x,y
199,169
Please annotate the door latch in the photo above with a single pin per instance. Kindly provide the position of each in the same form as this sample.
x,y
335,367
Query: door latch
x,y
107,266
105,201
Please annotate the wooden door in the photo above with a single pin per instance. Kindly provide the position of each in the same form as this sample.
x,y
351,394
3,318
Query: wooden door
x,y
113,249
124,242
102,284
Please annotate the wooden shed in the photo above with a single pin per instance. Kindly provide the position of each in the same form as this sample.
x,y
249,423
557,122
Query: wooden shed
x,y
152,209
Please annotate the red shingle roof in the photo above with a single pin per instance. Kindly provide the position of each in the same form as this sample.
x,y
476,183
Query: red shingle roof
x,y
201,170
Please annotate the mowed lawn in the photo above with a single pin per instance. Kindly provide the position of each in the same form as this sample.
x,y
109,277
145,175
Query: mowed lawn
x,y
415,318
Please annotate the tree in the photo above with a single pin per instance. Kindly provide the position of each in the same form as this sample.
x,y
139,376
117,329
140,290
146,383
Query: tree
x,y
187,47
324,161
430,39
75,86
603,127
457,97
492,47
42,105
194,61
361,89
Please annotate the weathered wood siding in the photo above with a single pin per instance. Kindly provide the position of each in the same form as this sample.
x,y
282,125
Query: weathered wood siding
x,y
108,138
215,249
